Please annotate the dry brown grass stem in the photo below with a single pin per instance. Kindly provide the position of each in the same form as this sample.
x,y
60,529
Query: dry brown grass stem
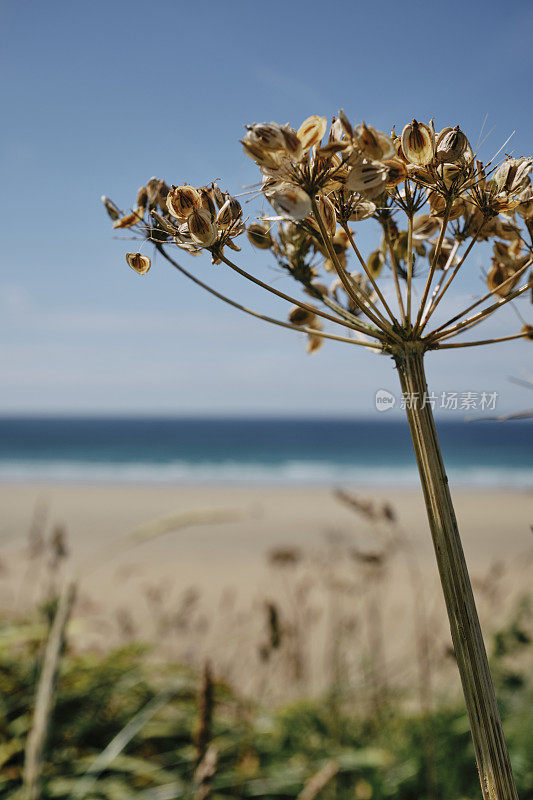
x,y
44,699
319,781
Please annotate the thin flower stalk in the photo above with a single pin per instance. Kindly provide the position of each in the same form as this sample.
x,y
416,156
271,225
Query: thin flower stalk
x,y
368,273
522,335
455,271
433,267
395,276
433,299
485,297
305,306
409,265
361,299
487,312
264,317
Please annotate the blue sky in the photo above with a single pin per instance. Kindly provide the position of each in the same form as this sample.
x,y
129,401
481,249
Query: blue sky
x,y
99,96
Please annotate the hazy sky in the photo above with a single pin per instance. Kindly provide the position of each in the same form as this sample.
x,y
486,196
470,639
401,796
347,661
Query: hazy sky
x,y
99,96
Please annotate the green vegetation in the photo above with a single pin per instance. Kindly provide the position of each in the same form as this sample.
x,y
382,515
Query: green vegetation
x,y
177,734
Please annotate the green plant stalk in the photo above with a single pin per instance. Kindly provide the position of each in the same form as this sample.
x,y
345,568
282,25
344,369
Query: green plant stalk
x,y
494,766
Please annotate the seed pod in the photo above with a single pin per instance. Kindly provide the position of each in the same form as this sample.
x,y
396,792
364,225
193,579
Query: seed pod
x,y
512,176
217,194
301,316
341,241
259,235
444,254
224,217
235,208
362,209
418,141
374,144
312,130
375,263
265,135
265,158
183,200
162,196
368,178
292,143
345,124
232,246
452,145
397,172
525,206
326,210
290,201
142,197
400,245
164,224
314,343
141,264
497,275
207,202
113,211
506,229
202,229
130,219
451,174
437,205
424,226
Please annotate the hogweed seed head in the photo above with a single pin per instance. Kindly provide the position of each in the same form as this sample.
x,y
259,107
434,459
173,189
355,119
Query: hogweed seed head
x,y
418,143
203,231
141,264
265,136
312,131
318,182
368,178
289,201
452,145
183,200
259,235
112,210
130,219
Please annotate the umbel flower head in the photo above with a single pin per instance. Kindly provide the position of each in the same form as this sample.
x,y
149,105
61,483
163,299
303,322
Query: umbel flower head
x,y
431,195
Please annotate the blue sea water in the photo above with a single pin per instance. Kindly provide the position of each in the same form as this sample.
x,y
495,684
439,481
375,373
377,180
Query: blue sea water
x,y
273,451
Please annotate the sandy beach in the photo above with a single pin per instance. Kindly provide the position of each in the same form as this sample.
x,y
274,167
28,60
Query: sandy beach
x,y
495,525
222,568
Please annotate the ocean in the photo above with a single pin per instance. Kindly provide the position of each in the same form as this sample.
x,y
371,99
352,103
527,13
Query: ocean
x,y
257,451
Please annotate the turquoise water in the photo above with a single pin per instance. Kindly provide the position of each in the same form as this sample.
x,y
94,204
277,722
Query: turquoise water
x,y
274,451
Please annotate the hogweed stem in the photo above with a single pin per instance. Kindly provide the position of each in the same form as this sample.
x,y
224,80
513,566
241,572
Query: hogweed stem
x,y
492,757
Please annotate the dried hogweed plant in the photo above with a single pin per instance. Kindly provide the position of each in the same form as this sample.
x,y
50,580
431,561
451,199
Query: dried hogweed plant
x,y
433,200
